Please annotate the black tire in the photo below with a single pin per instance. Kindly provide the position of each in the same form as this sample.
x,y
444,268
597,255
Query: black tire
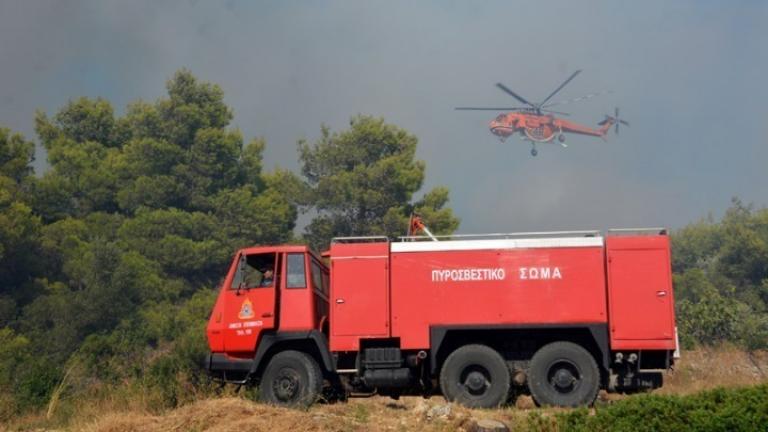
x,y
292,378
563,374
475,376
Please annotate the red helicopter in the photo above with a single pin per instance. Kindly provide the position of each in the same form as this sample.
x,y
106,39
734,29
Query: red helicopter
x,y
537,124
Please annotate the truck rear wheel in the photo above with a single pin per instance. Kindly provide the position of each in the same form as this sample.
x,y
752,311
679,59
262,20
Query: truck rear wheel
x,y
292,378
563,374
475,376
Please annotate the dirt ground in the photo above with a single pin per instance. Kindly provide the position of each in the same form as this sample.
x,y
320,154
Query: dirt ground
x,y
697,370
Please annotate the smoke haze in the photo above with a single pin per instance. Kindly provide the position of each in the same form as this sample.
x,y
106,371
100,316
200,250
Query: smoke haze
x,y
688,75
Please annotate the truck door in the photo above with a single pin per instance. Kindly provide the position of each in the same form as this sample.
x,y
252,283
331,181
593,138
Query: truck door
x,y
640,291
359,293
250,305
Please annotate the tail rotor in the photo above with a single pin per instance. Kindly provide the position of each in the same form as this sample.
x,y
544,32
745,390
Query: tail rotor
x,y
614,120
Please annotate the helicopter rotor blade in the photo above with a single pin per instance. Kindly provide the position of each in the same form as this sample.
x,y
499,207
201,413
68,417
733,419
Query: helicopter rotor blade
x,y
588,96
561,87
513,94
556,112
490,109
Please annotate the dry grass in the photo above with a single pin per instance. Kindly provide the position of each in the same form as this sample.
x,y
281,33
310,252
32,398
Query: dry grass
x,y
707,368
698,370
235,414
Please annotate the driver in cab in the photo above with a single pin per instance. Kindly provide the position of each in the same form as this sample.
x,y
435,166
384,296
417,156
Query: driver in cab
x,y
258,278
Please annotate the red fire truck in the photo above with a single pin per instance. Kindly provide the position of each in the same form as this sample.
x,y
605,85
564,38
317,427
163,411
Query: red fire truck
x,y
478,318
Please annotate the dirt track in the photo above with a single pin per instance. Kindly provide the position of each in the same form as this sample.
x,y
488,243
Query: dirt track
x,y
698,370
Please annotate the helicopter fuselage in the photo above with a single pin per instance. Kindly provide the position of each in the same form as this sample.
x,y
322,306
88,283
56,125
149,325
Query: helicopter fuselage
x,y
539,127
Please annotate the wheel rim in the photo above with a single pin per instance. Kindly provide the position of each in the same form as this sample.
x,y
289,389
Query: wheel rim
x,y
475,381
286,386
564,376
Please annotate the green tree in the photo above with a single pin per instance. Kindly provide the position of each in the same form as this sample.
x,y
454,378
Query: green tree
x,y
138,215
743,254
721,278
695,245
16,156
15,362
703,314
19,226
363,182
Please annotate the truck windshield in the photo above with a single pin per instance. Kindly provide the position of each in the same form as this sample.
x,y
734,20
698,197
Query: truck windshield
x,y
255,271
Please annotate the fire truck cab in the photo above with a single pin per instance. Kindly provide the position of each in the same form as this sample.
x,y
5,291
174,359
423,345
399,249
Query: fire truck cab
x,y
478,318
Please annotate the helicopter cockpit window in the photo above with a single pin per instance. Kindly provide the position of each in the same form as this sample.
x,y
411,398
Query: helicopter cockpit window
x,y
501,117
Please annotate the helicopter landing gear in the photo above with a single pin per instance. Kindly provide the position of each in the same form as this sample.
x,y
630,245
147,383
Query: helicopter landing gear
x,y
561,138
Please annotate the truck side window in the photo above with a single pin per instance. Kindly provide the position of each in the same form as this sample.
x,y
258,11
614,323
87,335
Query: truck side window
x,y
255,271
326,283
317,278
237,280
296,276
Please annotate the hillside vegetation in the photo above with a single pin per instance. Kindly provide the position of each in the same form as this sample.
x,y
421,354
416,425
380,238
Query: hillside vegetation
x,y
721,278
110,259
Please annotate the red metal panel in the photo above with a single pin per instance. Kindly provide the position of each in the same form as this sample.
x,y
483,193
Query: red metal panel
x,y
215,329
247,312
505,286
296,304
640,292
246,315
359,294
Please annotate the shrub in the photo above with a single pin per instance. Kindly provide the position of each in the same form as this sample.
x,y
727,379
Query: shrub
x,y
744,409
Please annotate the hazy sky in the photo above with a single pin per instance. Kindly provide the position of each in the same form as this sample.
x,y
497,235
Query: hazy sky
x,y
690,76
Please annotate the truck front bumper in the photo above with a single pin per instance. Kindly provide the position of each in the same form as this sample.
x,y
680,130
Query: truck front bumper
x,y
222,366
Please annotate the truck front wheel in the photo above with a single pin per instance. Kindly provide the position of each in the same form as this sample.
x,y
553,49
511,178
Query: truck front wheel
x,y
292,378
475,376
563,374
